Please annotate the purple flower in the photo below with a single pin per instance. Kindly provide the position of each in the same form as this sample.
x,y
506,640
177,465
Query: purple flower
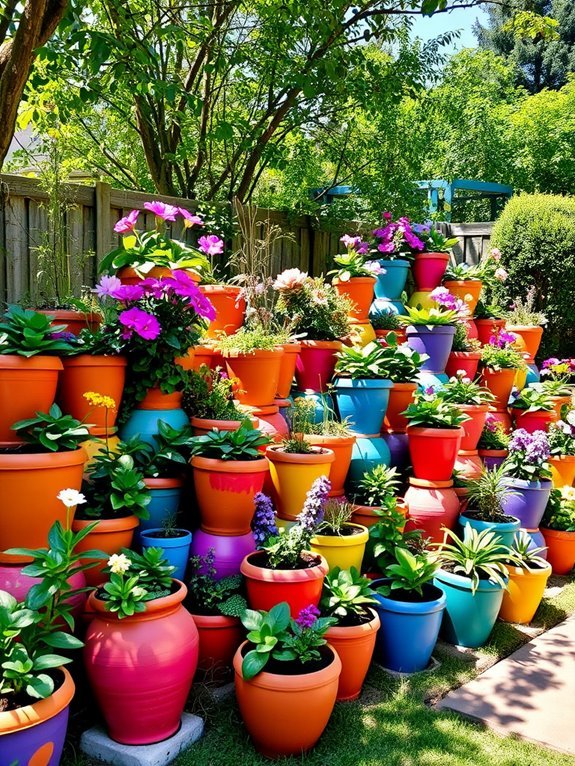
x,y
308,616
350,242
126,293
264,520
162,211
429,391
362,248
312,511
211,244
135,320
189,219
386,247
69,337
107,286
128,223
155,287
507,337
551,362
533,446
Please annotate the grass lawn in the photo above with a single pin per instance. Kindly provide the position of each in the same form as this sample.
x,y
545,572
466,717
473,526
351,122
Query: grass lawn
x,y
393,722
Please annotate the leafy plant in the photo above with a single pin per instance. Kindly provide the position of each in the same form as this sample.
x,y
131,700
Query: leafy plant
x,y
337,513
496,358
429,316
523,312
243,444
388,534
167,457
312,308
208,595
493,435
409,573
434,240
486,494
27,333
528,455
303,419
400,363
114,488
431,410
209,394
460,389
52,431
378,487
360,362
354,264
533,400
527,556
385,320
346,595
560,511
478,556
461,340
561,437
247,340
556,375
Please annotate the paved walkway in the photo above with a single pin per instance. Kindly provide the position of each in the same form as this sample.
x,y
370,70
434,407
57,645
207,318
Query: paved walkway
x,y
531,694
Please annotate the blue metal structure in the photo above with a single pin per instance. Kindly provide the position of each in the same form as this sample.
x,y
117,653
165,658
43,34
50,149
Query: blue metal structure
x,y
441,194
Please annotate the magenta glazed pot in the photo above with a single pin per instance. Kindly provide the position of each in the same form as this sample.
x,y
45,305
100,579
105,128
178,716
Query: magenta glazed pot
x,y
229,552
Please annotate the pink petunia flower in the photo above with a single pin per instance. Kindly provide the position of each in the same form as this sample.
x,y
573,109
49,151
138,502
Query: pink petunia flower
x,y
129,293
143,324
189,219
128,223
154,287
290,279
161,210
387,216
107,286
496,253
211,244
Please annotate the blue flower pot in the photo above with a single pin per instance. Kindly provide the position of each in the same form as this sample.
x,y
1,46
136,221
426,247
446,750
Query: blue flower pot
x,y
164,503
532,375
537,541
505,531
364,401
386,306
176,549
321,401
145,423
366,454
529,501
468,618
433,340
409,629
435,379
391,282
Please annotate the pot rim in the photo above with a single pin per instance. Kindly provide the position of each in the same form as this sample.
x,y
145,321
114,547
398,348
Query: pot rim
x,y
95,360
410,607
262,574
36,362
163,483
235,289
527,572
465,354
321,344
342,541
42,460
336,441
492,452
536,328
105,526
257,353
355,281
560,534
153,610
465,582
425,329
291,347
215,621
12,721
432,255
430,483
402,263
462,282
343,632
290,683
179,542
446,433
502,525
275,455
474,407
346,382
562,458
212,464
203,423
404,386
543,484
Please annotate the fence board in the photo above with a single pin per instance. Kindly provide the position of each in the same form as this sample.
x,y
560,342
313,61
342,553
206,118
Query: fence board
x,y
16,233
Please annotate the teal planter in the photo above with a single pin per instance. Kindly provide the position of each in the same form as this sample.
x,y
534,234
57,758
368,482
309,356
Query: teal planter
x,y
505,531
386,306
363,401
165,500
468,619
176,549
321,401
391,283
145,423
532,375
366,454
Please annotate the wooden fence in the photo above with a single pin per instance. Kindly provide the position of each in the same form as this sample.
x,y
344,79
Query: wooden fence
x,y
92,212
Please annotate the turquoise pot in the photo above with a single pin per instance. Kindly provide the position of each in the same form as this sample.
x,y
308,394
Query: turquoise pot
x,y
165,499
532,375
321,401
366,454
176,549
504,531
469,618
145,423
363,401
386,306
391,282
435,379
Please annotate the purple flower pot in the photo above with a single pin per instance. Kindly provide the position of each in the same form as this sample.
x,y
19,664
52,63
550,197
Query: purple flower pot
x,y
229,551
537,541
433,340
529,503
399,448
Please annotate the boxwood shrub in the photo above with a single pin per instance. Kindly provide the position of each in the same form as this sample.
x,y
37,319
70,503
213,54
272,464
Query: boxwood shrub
x,y
536,236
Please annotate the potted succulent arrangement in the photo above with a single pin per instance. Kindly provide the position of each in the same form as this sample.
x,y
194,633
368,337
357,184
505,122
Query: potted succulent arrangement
x,y
465,353
558,528
485,497
529,476
493,442
286,664
173,541
337,538
375,492
466,281
141,644
555,381
473,400
528,576
29,367
216,606
348,599
355,276
385,322
533,410
229,470
561,438
284,568
522,319
410,608
473,576
500,362
318,314
208,401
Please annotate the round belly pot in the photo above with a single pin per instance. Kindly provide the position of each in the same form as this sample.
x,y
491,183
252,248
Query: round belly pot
x,y
433,451
155,406
225,491
390,283
354,645
500,383
360,292
486,328
433,340
230,308
468,361
492,458
292,476
270,422
109,536
176,547
562,470
29,485
533,421
229,552
431,505
366,454
561,404
467,290
531,337
103,374
342,448
400,397
316,363
504,530
363,402
524,593
303,703
257,374
560,550
360,334
473,427
164,503
34,735
268,587
469,618
428,270
220,637
421,299
409,628
27,386
151,655
287,369
528,502
343,551
398,445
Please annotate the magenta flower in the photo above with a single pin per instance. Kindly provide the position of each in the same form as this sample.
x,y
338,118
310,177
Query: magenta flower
x,y
155,287
143,324
189,219
386,216
107,286
386,247
211,244
350,242
128,223
162,211
126,293
308,616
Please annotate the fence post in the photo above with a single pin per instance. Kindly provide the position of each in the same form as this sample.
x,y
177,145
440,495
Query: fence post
x,y
103,220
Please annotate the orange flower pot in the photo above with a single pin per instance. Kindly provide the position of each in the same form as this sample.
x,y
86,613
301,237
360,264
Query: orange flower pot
x,y
29,485
110,536
560,550
559,402
225,491
531,337
257,376
400,334
230,308
155,399
27,386
202,426
360,292
287,369
473,427
292,476
500,383
468,290
400,397
199,355
102,374
367,515
524,592
354,645
562,470
220,637
302,703
74,321
342,447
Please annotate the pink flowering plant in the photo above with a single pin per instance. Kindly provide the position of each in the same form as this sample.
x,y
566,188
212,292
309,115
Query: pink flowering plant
x,y
145,250
493,436
488,270
556,375
449,310
312,309
404,239
354,263
501,352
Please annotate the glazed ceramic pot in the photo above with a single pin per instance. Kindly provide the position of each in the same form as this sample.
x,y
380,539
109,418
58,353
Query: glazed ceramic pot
x,y
560,550
524,593
360,333
431,505
105,375
257,375
531,336
505,531
342,448
468,361
230,308
400,397
492,458
528,501
562,470
398,446
165,499
433,451
229,551
473,427
316,363
390,283
109,536
533,421
363,402
176,547
344,551
368,451
359,290
354,645
428,269
487,328
292,476
146,415
500,383
433,340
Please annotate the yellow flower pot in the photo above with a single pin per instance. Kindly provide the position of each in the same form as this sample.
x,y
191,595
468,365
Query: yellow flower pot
x,y
292,475
361,333
343,551
96,444
562,470
520,379
524,594
421,298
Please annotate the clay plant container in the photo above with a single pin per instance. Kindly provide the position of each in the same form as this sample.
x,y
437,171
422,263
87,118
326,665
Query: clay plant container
x,y
229,552
104,374
488,327
433,451
270,422
502,416
220,637
531,336
468,290
559,402
560,550
492,458
433,340
303,703
400,397
360,291
399,333
73,321
428,269
287,369
463,360
344,551
129,276
257,375
431,505
524,593
342,447
292,476
533,421
155,406
109,536
202,426
368,516
315,364
500,383
473,427
468,464
354,645
562,470
230,308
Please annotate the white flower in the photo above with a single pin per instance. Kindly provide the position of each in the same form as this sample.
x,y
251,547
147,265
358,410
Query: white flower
x,y
71,498
290,279
374,267
496,254
571,417
501,274
119,563
461,373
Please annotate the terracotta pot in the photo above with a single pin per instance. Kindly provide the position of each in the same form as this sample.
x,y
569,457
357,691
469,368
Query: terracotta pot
x,y
151,655
268,587
270,422
257,374
428,270
559,402
343,551
74,321
531,336
488,327
492,457
473,427
468,290
202,426
560,550
524,593
303,703
360,292
431,505
220,637
400,334
155,399
27,386
105,375
287,369
500,383
462,493
110,536
502,416
197,356
533,421
29,485
400,397
468,464
463,360
368,516
292,476
225,491
316,363
354,645
433,451
342,447
129,276
230,309
562,470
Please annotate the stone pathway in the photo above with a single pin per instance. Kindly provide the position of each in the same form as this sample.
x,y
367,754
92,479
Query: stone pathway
x,y
531,694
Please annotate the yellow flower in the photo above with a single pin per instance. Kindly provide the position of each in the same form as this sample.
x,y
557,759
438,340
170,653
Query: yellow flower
x,y
99,400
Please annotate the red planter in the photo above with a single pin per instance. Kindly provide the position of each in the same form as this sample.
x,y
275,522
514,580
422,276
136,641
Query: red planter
x,y
400,397
428,270
431,505
473,427
220,636
488,327
433,451
468,361
533,421
316,363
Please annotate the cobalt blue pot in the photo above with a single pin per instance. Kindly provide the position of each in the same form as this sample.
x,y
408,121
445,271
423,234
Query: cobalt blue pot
x,y
409,629
176,549
366,454
391,282
165,496
528,502
363,401
505,531
468,618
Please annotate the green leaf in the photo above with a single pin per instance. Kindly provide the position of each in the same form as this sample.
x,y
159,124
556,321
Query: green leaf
x,y
253,664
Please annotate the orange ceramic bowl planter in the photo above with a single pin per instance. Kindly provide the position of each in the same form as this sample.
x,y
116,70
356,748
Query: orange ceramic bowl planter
x,y
473,427
287,369
230,308
354,645
109,536
559,402
468,290
292,476
400,397
103,374
562,470
220,637
257,376
524,592
225,491
433,451
286,714
500,383
560,550
531,336
342,447
360,292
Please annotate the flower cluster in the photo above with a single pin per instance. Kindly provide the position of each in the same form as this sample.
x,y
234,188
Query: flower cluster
x,y
163,213
290,280
561,436
399,236
493,436
313,508
264,520
502,339
444,298
99,400
528,455
355,244
308,616
310,307
554,367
